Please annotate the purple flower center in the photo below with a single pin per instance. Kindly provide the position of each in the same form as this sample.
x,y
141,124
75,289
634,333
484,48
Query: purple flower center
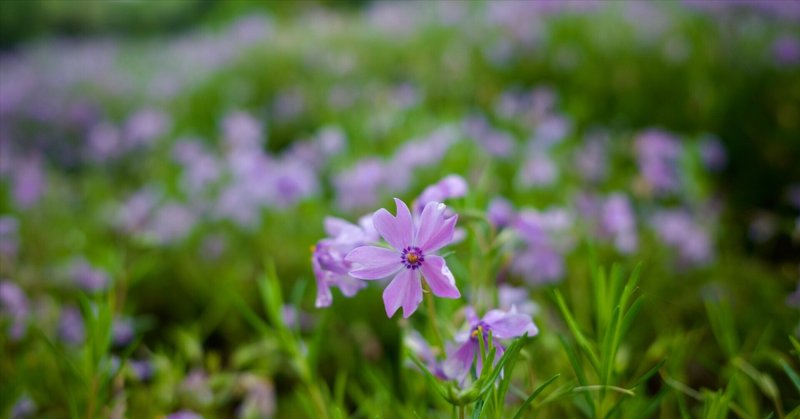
x,y
412,257
480,329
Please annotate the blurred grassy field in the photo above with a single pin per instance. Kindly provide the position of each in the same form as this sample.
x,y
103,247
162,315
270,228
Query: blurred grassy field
x,y
182,149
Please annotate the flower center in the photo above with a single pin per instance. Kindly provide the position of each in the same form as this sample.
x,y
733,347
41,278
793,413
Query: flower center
x,y
482,329
412,257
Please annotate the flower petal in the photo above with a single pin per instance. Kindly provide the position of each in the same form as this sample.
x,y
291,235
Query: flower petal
x,y
439,277
324,297
373,262
397,231
434,230
404,290
506,325
458,363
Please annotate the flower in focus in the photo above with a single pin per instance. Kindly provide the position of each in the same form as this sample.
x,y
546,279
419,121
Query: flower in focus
x,y
501,324
328,258
415,244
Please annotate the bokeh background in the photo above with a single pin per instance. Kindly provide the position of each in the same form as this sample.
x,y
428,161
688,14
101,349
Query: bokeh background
x,y
157,157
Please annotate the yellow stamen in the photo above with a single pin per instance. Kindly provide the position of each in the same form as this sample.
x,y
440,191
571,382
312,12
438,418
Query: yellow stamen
x,y
412,258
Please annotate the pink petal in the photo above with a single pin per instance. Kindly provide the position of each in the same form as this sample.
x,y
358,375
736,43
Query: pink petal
x,y
405,290
397,231
509,325
439,277
434,230
371,262
458,363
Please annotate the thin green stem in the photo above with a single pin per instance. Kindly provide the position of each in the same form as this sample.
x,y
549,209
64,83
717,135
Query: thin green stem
x,y
431,307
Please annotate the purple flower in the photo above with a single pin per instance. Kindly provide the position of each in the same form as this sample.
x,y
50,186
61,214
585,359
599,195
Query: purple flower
x,y
328,260
14,306
793,300
414,245
619,221
88,277
122,331
242,131
70,326
546,237
786,51
452,186
713,154
501,213
539,170
259,399
591,159
29,181
142,369
420,347
9,236
518,297
657,154
145,126
677,229
184,414
501,324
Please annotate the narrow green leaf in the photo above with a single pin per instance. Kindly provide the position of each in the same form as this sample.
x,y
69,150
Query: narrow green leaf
x,y
533,395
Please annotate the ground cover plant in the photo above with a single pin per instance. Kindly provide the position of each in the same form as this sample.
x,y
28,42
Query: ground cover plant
x,y
400,209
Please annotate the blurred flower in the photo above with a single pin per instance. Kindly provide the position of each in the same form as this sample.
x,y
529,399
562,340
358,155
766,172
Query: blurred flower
x,y
196,388
142,369
133,215
70,327
9,236
184,414
122,331
14,307
619,221
677,229
591,159
793,300
171,223
104,142
452,186
328,258
24,407
29,181
422,350
200,168
551,130
501,324
658,153
414,246
786,50
359,186
538,170
241,130
496,142
500,213
259,399
144,127
88,277
713,154
518,297
546,238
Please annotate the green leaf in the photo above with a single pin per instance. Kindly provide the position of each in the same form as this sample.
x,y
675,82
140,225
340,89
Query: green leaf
x,y
533,395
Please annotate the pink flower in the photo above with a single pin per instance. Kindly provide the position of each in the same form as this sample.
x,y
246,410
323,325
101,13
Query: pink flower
x,y
414,245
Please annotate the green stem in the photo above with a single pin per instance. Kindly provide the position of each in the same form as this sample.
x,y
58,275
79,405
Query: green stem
x,y
431,306
461,412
